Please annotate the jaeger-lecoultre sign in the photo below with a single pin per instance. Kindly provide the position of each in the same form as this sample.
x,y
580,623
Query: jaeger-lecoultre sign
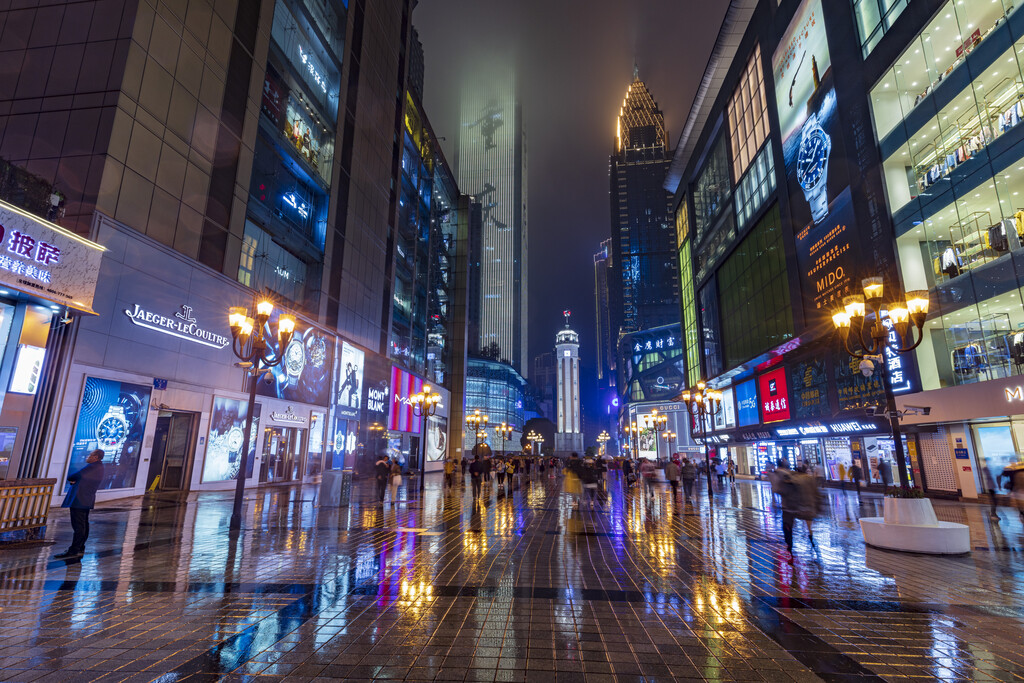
x,y
181,325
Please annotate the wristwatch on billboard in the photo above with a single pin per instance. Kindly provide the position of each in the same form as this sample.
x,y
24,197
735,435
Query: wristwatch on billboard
x,y
316,351
235,437
812,167
112,431
294,361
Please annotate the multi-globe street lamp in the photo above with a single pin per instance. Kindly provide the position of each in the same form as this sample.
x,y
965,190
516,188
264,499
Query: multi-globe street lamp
x,y
505,431
538,443
669,438
881,343
478,422
702,404
251,344
602,439
632,434
424,405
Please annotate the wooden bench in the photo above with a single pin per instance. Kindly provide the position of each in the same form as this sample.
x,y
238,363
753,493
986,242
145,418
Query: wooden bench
x,y
24,504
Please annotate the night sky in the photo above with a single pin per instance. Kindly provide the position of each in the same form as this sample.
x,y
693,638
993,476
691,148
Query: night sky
x,y
577,60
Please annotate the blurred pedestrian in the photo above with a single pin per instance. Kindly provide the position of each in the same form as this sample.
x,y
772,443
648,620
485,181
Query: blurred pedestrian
x,y
627,472
990,487
801,499
395,481
590,476
573,484
856,475
648,472
80,499
672,474
1014,475
476,475
499,471
732,472
449,472
688,473
885,471
720,474
382,470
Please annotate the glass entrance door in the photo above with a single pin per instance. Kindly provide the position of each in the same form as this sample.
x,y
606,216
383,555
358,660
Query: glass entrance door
x,y
171,457
282,454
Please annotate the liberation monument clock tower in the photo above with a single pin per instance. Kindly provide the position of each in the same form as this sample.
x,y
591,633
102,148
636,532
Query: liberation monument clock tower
x,y
569,436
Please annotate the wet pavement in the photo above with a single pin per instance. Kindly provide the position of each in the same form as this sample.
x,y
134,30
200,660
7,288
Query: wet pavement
x,y
517,587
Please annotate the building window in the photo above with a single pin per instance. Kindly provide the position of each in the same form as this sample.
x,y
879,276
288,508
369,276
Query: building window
x,y
690,336
755,291
874,18
711,191
265,263
682,223
748,115
756,187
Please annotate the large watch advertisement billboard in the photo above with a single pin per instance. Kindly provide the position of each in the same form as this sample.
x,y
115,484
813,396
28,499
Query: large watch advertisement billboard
x,y
227,434
816,161
112,418
304,373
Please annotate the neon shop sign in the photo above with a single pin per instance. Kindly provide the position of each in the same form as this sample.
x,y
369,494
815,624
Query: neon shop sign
x,y
39,255
182,325
668,342
301,207
314,73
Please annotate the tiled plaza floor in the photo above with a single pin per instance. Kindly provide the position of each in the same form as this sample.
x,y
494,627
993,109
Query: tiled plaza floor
x,y
516,588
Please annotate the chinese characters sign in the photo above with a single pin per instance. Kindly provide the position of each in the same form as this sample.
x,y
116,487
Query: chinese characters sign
x,y
808,381
40,258
670,341
900,366
774,395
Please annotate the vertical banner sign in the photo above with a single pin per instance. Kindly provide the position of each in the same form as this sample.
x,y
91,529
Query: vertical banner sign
x,y
774,395
902,367
815,161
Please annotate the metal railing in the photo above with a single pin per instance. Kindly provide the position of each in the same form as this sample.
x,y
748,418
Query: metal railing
x,y
24,504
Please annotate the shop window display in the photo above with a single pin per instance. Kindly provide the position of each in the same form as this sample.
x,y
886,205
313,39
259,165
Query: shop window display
x,y
312,142
941,48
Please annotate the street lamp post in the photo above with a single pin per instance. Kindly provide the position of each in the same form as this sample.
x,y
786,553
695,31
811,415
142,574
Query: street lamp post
x,y
879,343
477,421
251,344
669,437
633,435
602,439
424,405
505,431
701,404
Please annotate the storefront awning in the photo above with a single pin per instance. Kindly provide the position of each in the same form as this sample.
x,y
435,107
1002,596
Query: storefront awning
x,y
43,260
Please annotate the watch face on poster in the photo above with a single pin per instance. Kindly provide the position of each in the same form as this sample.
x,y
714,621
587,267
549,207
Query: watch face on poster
x,y
226,439
304,372
112,418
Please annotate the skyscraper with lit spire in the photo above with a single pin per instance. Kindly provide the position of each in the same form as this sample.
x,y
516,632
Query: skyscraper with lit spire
x,y
644,276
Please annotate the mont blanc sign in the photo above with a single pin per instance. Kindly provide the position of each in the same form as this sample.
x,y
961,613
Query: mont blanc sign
x,y
182,324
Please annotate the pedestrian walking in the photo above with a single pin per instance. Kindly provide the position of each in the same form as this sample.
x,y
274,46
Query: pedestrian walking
x,y
720,474
732,472
511,467
476,475
842,476
856,475
1014,475
990,486
488,465
688,473
499,471
464,464
801,499
885,471
382,470
672,474
449,472
80,499
647,473
627,472
573,484
395,481
589,475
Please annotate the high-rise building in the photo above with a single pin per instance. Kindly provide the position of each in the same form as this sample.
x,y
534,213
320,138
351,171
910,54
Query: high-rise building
x,y
216,150
605,346
542,379
645,275
569,434
492,167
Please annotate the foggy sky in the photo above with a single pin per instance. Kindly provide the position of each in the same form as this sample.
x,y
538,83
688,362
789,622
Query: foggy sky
x,y
577,59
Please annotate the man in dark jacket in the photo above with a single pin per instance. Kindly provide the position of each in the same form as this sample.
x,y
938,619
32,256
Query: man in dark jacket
x,y
80,499
476,474
688,473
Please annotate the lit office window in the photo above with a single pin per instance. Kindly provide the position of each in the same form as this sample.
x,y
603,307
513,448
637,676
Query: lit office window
x,y
756,187
748,115
682,223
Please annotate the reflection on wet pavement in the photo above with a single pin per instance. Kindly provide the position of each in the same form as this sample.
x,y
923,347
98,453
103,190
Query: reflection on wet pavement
x,y
518,586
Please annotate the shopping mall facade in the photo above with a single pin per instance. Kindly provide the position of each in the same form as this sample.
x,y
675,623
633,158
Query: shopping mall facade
x,y
795,179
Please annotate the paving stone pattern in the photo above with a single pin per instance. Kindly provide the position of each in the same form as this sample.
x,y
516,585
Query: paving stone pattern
x,y
516,587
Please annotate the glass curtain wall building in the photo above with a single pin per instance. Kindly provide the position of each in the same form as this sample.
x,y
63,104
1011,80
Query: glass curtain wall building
x,y
492,167
497,390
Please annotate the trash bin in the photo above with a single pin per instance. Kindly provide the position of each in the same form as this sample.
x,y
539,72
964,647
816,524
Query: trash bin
x,y
335,488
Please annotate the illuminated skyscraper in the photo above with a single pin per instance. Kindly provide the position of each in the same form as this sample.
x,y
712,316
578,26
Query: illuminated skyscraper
x,y
606,341
492,166
644,276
